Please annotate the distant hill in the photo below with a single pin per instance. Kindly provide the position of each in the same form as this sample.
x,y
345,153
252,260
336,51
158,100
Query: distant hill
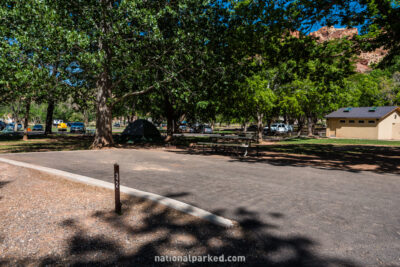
x,y
365,59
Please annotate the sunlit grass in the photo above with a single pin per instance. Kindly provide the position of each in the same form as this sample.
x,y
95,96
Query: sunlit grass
x,y
53,143
333,141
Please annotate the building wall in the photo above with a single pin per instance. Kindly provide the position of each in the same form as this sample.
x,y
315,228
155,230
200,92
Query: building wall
x,y
344,128
384,129
386,125
396,131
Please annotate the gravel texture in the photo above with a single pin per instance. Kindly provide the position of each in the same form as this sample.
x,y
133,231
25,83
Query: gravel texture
x,y
46,220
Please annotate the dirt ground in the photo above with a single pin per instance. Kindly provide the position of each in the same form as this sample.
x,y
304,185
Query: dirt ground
x,y
48,220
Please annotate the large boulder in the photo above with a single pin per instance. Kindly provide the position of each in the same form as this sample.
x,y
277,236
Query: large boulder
x,y
141,130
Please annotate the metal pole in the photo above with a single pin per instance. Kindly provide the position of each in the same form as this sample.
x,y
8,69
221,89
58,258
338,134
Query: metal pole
x,y
117,193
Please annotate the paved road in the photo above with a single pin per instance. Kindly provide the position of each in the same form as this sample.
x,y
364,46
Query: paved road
x,y
354,216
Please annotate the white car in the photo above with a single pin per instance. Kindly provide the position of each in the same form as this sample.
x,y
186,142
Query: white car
x,y
289,127
57,122
273,127
281,128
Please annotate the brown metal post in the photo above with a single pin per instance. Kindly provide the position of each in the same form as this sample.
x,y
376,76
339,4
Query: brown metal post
x,y
117,193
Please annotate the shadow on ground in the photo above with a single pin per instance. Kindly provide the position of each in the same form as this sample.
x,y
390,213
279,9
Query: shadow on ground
x,y
251,239
2,184
45,143
334,157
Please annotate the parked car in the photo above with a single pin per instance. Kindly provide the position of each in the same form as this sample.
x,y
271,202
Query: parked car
x,y
183,128
281,129
273,127
57,122
252,128
266,130
205,129
69,124
37,128
78,127
2,125
196,127
62,127
117,124
289,128
10,127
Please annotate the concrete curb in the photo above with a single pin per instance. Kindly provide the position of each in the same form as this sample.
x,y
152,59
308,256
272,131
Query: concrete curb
x,y
169,202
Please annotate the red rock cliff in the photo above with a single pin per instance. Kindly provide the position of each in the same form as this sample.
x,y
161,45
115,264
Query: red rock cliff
x,y
365,59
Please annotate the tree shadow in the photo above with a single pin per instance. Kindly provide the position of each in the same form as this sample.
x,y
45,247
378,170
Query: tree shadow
x,y
350,158
177,195
252,238
2,184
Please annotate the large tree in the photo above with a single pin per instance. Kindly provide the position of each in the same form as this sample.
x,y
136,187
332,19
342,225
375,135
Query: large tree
x,y
36,30
130,48
254,53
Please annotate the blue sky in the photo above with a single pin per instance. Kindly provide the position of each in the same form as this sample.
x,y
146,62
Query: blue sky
x,y
354,6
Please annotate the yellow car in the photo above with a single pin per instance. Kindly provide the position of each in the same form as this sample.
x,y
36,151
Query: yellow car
x,y
62,127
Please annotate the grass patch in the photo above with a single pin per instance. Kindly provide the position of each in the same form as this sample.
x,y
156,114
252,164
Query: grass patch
x,y
45,143
344,148
331,141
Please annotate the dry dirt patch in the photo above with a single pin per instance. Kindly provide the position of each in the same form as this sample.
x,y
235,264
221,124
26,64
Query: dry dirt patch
x,y
45,219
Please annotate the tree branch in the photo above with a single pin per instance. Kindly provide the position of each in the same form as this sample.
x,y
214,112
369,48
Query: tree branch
x,y
148,89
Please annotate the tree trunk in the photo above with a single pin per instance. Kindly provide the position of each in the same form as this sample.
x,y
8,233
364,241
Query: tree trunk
x,y
170,128
244,127
86,117
103,137
310,126
260,127
176,124
315,121
300,125
269,122
49,117
26,119
170,119
15,114
134,116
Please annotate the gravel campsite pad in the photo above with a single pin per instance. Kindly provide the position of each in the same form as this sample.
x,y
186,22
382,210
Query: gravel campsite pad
x,y
47,220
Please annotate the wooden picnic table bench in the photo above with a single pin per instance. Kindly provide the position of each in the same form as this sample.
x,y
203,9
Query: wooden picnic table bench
x,y
216,145
246,139
90,132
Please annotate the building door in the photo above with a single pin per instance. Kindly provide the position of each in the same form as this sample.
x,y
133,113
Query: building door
x,y
396,131
332,128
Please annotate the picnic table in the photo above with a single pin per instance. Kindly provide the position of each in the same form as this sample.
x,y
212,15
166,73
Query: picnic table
x,y
90,132
242,143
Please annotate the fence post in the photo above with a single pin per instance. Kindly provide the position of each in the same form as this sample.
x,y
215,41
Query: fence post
x,y
117,192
